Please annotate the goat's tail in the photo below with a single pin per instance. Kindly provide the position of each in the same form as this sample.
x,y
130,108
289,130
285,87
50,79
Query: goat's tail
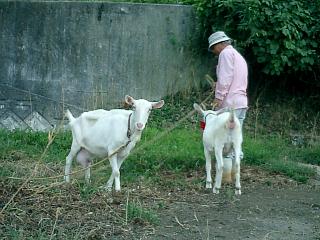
x,y
231,120
69,115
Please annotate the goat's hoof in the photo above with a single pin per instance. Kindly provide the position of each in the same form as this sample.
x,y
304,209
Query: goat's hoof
x,y
208,185
106,188
215,190
238,192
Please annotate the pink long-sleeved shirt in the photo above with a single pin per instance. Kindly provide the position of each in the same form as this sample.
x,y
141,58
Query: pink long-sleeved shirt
x,y
232,74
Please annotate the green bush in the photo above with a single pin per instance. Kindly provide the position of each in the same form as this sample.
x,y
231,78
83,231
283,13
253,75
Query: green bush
x,y
279,38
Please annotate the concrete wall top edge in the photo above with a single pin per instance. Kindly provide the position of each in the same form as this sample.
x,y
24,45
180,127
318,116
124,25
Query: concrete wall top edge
x,y
97,2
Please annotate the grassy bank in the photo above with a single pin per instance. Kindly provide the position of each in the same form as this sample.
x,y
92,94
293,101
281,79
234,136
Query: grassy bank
x,y
178,151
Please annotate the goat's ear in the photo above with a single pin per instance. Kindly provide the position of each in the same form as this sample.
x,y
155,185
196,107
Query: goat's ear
x,y
129,100
197,108
158,104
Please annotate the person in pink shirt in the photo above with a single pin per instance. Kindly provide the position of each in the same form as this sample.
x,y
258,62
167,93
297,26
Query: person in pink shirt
x,y
232,80
232,75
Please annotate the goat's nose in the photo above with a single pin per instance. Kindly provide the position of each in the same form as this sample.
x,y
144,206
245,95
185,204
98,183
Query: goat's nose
x,y
139,125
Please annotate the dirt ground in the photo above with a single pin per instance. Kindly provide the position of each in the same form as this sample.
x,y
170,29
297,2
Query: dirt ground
x,y
261,213
271,207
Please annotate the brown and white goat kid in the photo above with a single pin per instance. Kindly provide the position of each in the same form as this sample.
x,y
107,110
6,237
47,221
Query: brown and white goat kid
x,y
222,134
111,133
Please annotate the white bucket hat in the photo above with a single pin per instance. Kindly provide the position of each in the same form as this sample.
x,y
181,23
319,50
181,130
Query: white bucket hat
x,y
217,37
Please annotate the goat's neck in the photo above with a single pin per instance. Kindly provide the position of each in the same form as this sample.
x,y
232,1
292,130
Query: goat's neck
x,y
208,116
135,135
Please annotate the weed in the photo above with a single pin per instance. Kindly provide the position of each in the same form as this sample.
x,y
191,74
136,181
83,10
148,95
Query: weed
x,y
138,214
86,191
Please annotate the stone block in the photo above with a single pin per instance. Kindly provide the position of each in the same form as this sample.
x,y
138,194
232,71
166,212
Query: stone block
x,y
11,121
37,122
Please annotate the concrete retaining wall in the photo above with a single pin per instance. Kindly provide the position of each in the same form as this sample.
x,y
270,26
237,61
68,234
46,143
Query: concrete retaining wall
x,y
88,55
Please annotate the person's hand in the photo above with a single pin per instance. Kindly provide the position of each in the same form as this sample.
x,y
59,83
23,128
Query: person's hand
x,y
216,104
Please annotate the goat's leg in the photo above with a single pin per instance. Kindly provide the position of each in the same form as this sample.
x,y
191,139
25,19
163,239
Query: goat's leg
x,y
236,167
121,157
219,169
87,174
68,167
208,168
120,160
111,179
110,183
75,148
115,175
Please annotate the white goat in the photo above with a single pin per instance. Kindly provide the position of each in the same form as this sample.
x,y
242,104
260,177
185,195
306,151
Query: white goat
x,y
104,133
222,134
